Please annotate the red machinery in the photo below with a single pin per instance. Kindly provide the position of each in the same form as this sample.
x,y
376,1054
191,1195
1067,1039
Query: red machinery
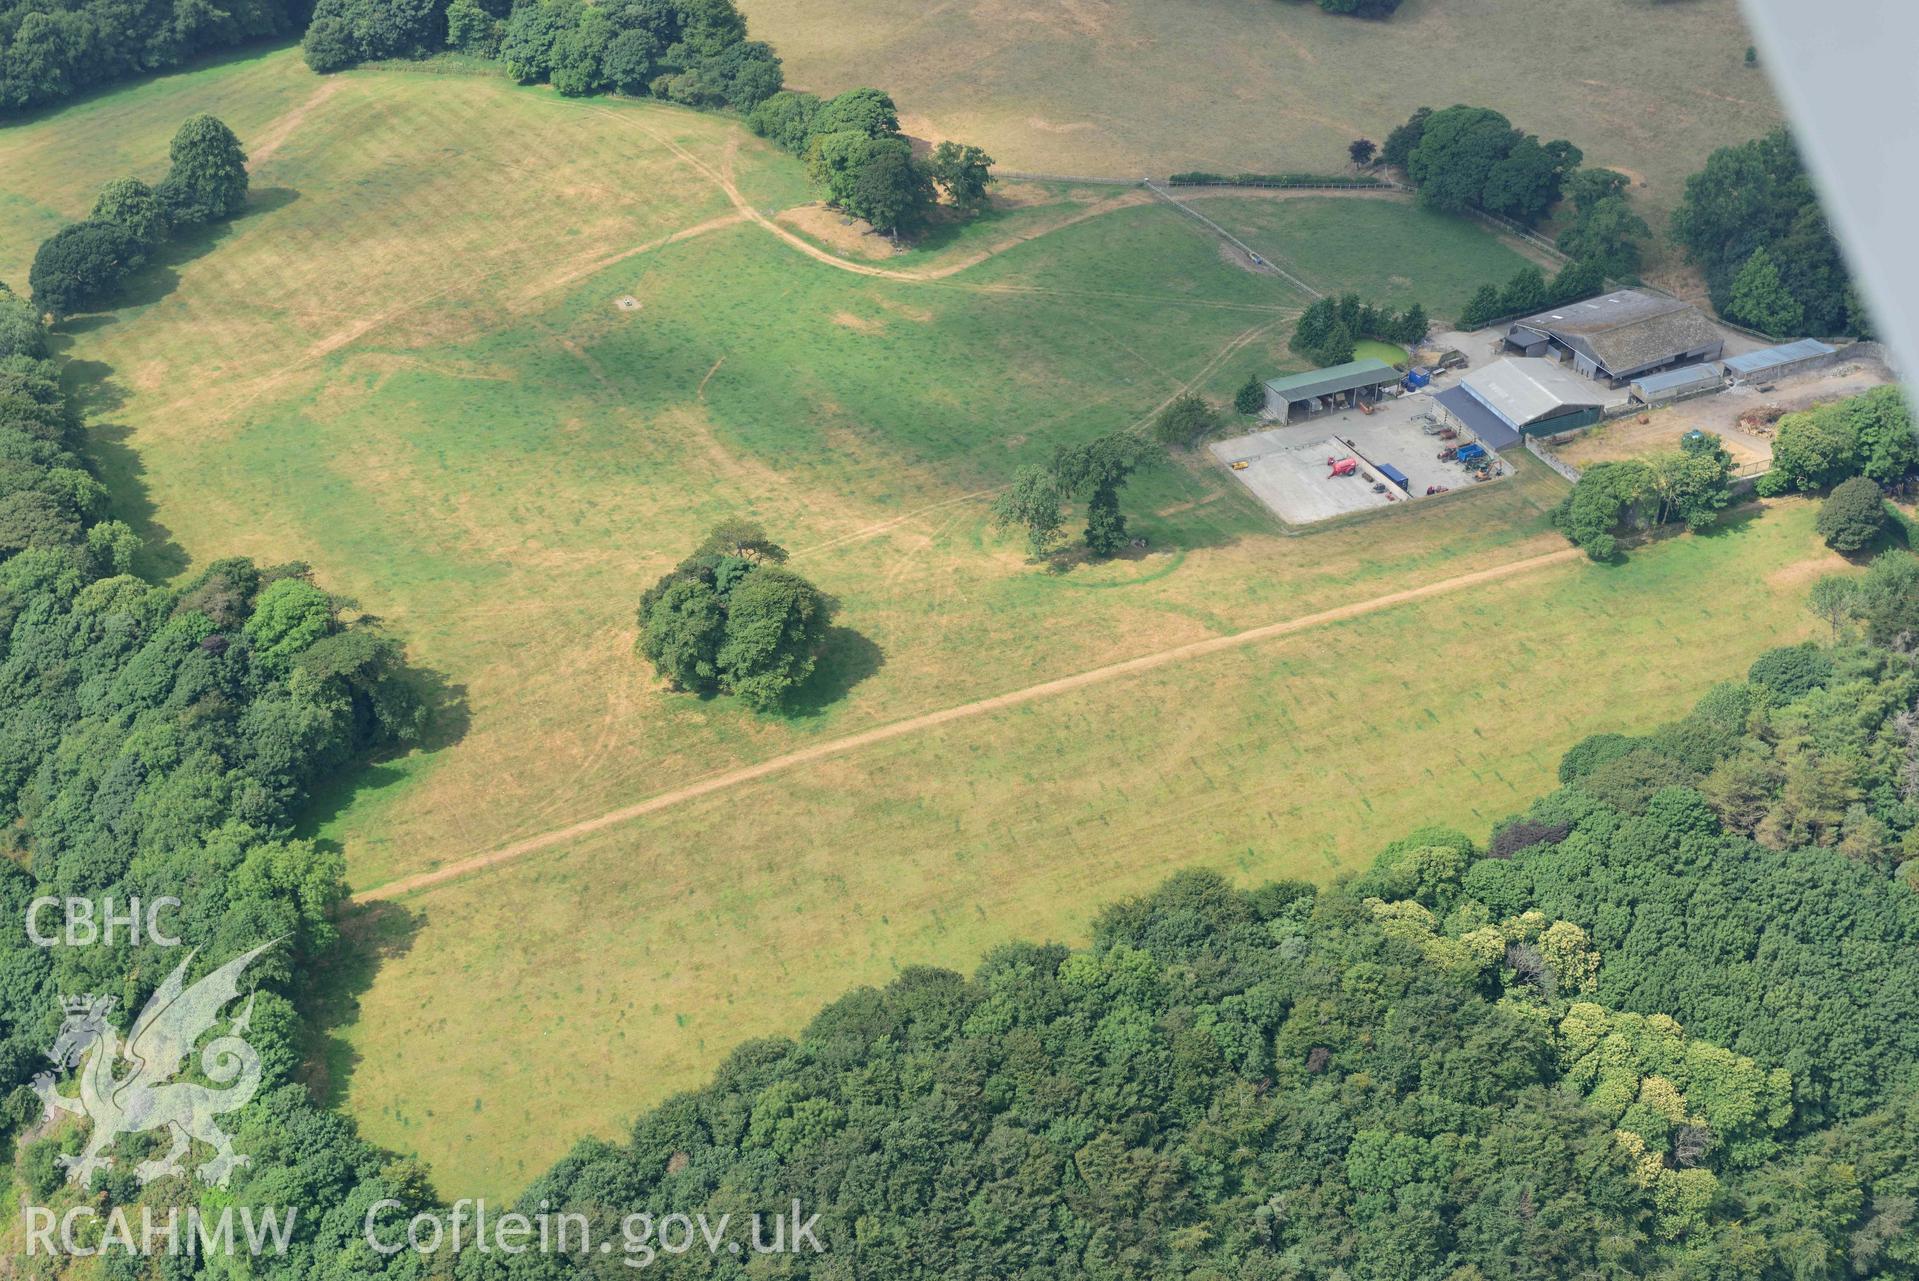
x,y
1342,466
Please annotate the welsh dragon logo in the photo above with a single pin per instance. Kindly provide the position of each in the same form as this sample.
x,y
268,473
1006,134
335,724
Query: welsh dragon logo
x,y
157,1046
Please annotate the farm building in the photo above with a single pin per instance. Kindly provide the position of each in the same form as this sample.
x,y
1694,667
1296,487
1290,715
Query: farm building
x,y
1619,336
1338,387
1521,396
1677,384
1783,361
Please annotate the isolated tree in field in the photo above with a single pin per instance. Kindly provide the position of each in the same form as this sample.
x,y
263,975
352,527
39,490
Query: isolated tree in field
x,y
130,203
80,266
1362,151
962,172
1760,298
1853,515
208,180
775,623
729,619
1097,471
681,632
1184,422
1032,503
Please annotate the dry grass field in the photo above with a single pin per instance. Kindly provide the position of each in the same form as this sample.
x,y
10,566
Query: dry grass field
x,y
1150,86
406,366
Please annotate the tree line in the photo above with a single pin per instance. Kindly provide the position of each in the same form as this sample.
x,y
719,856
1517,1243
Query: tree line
x,y
82,266
1855,448
1664,1023
1329,328
49,52
861,162
693,52
1751,221
163,740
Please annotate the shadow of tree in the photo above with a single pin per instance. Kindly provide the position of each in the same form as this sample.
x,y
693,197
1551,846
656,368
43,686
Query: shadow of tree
x,y
370,935
121,470
847,658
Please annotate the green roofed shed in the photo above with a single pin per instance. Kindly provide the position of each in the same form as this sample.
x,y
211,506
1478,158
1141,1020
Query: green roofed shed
x,y
1299,394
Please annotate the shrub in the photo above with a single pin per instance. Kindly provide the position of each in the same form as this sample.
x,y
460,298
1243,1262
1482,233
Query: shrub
x,y
1185,422
1853,515
1791,671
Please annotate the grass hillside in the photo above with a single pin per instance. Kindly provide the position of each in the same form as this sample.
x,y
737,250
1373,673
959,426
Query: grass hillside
x,y
407,365
1151,86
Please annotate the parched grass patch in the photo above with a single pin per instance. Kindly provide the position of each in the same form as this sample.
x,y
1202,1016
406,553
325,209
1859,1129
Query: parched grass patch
x,y
1132,87
622,967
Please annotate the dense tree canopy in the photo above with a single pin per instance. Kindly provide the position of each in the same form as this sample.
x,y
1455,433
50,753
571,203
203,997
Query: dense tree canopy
x,y
1472,158
207,180
50,51
1866,435
82,265
729,619
161,741
1757,197
1853,515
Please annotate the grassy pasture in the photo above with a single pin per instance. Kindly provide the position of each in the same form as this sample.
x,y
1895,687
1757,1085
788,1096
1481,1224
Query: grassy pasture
x,y
1390,252
1124,87
405,366
620,968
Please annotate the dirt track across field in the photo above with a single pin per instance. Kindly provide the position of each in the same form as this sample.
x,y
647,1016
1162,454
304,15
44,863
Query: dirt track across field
x,y
913,725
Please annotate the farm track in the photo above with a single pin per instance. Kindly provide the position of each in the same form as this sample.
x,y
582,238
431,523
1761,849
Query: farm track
x,y
729,779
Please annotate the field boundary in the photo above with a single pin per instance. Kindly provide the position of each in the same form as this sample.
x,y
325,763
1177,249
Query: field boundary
x,y
465,867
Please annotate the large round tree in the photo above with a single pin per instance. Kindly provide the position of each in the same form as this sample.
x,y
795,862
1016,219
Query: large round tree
x,y
208,180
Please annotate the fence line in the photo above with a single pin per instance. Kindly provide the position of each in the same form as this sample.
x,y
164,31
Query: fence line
x,y
1231,239
1552,460
1014,175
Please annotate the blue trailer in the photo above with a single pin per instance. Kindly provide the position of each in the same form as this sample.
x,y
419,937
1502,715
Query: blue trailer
x,y
1395,475
1471,452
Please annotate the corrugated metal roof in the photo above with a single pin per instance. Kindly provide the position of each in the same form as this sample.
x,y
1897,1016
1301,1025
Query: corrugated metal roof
x,y
1524,389
1685,378
1481,421
1368,371
1771,357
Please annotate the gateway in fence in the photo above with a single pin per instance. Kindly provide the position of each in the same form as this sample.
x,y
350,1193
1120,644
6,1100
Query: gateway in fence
x,y
1619,336
1784,361
1521,395
1344,386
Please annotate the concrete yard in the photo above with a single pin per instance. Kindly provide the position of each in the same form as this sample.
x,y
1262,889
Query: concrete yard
x,y
1286,466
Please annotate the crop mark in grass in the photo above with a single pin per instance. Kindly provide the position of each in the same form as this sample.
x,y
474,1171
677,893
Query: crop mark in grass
x,y
917,724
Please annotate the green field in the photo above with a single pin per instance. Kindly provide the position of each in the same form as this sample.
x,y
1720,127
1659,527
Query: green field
x,y
407,366
1142,86
1390,252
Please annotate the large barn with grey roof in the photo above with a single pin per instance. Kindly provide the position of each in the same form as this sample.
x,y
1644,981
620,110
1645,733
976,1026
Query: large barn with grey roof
x,y
1619,336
